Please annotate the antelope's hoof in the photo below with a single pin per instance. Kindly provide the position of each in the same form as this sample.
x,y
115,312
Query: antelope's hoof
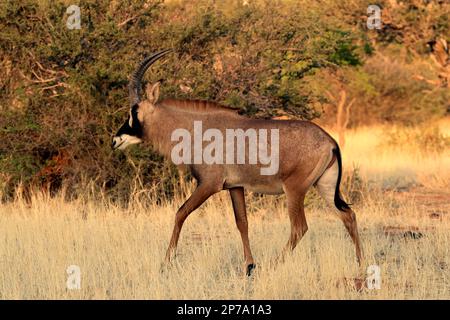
x,y
250,268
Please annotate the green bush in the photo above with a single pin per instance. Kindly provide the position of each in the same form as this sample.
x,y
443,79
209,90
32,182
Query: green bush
x,y
63,93
66,92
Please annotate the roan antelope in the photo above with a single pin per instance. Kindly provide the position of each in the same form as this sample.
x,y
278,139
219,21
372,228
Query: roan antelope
x,y
307,156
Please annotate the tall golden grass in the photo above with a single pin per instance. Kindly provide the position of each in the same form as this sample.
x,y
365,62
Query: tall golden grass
x,y
388,154
120,249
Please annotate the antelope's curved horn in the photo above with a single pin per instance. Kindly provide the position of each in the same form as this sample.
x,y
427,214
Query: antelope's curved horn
x,y
134,86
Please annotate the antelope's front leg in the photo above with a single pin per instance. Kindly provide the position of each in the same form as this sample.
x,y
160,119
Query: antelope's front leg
x,y
240,214
200,195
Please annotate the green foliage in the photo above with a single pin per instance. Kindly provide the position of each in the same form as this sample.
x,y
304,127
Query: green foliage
x,y
389,89
63,93
344,53
67,91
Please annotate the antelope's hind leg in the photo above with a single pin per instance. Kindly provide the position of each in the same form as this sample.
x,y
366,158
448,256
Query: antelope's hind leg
x,y
327,188
240,214
296,210
348,217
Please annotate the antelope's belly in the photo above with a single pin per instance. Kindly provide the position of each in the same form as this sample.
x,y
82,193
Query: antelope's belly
x,y
266,189
255,183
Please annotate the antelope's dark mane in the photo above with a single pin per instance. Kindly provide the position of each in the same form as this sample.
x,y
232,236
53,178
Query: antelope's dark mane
x,y
196,106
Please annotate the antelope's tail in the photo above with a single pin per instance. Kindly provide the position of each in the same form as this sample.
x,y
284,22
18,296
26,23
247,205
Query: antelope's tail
x,y
329,182
338,201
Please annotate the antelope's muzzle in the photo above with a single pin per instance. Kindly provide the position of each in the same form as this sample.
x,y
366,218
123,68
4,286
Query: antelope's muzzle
x,y
123,141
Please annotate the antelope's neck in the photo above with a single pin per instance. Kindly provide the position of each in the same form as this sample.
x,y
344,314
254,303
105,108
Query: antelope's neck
x,y
158,130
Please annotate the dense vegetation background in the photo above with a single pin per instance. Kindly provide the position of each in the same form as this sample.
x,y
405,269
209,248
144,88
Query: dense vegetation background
x,y
63,93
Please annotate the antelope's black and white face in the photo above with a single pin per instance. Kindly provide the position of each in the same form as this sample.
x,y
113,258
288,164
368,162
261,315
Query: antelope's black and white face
x,y
132,131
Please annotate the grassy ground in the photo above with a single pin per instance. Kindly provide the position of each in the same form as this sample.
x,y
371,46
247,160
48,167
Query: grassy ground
x,y
403,218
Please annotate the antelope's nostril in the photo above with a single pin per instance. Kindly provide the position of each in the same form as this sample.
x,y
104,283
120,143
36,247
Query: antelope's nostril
x,y
113,143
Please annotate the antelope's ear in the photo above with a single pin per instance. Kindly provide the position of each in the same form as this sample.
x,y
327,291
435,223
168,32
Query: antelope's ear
x,y
152,92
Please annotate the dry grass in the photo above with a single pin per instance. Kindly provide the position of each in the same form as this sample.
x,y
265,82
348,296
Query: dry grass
x,y
120,250
399,157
